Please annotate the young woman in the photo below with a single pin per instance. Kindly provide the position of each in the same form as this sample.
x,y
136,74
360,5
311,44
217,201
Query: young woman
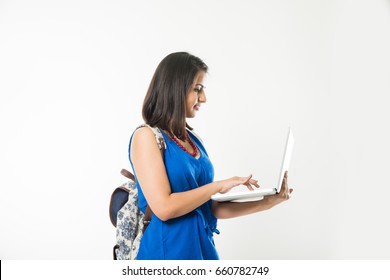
x,y
178,184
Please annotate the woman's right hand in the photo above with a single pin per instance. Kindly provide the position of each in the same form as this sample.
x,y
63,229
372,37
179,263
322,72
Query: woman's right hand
x,y
226,185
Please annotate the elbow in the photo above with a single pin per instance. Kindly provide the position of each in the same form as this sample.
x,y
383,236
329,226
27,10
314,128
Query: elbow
x,y
164,209
165,214
163,217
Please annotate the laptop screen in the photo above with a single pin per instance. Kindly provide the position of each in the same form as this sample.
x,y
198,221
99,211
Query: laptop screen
x,y
286,157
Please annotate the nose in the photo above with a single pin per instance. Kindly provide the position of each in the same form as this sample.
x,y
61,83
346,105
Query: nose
x,y
202,97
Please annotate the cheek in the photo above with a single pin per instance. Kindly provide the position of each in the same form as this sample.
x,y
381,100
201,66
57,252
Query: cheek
x,y
192,100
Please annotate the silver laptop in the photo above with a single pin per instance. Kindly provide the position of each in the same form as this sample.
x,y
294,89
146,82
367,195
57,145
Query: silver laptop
x,y
257,194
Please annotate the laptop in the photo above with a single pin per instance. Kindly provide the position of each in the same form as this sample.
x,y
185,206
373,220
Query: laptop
x,y
258,194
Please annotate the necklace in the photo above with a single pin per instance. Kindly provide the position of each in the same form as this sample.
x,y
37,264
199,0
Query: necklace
x,y
194,148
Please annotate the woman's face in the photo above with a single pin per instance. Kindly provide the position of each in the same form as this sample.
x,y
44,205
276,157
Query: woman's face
x,y
196,96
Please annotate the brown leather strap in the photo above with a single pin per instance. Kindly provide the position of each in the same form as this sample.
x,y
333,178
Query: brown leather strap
x,y
147,217
128,174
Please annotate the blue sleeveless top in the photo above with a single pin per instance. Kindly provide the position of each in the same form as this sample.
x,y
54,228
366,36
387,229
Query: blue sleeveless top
x,y
189,237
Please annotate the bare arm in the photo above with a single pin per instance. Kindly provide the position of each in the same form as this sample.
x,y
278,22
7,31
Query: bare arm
x,y
224,210
152,177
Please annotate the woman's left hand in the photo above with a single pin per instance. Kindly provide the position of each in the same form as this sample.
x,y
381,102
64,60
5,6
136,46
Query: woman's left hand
x,y
284,194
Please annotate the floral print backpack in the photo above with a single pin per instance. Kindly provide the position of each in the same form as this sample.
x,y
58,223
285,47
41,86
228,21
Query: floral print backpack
x,y
125,215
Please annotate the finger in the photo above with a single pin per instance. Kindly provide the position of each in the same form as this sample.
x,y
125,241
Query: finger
x,y
288,194
285,195
246,179
249,186
254,183
284,184
249,182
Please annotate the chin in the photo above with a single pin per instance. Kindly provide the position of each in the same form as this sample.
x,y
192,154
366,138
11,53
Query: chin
x,y
191,115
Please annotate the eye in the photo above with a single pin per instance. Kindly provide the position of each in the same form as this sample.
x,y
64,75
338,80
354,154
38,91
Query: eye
x,y
198,89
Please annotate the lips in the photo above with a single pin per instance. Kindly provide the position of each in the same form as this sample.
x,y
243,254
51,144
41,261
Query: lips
x,y
197,107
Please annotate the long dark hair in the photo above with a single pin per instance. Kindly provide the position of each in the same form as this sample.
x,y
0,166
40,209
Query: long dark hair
x,y
165,101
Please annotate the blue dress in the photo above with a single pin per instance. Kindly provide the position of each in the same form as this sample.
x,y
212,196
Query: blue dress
x,y
189,237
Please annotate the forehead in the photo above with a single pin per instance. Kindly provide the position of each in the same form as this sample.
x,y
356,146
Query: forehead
x,y
200,78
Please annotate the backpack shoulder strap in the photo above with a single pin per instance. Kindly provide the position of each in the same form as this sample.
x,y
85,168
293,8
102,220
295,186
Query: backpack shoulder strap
x,y
158,135
128,174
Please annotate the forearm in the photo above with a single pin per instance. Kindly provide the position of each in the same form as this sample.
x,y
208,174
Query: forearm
x,y
225,210
181,203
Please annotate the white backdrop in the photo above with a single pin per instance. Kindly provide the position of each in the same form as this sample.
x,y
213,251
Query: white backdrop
x,y
73,75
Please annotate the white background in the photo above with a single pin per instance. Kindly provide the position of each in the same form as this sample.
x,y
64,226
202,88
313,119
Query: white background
x,y
73,75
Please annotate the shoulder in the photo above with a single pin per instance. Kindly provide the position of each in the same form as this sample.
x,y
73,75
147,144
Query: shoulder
x,y
146,135
143,144
143,135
